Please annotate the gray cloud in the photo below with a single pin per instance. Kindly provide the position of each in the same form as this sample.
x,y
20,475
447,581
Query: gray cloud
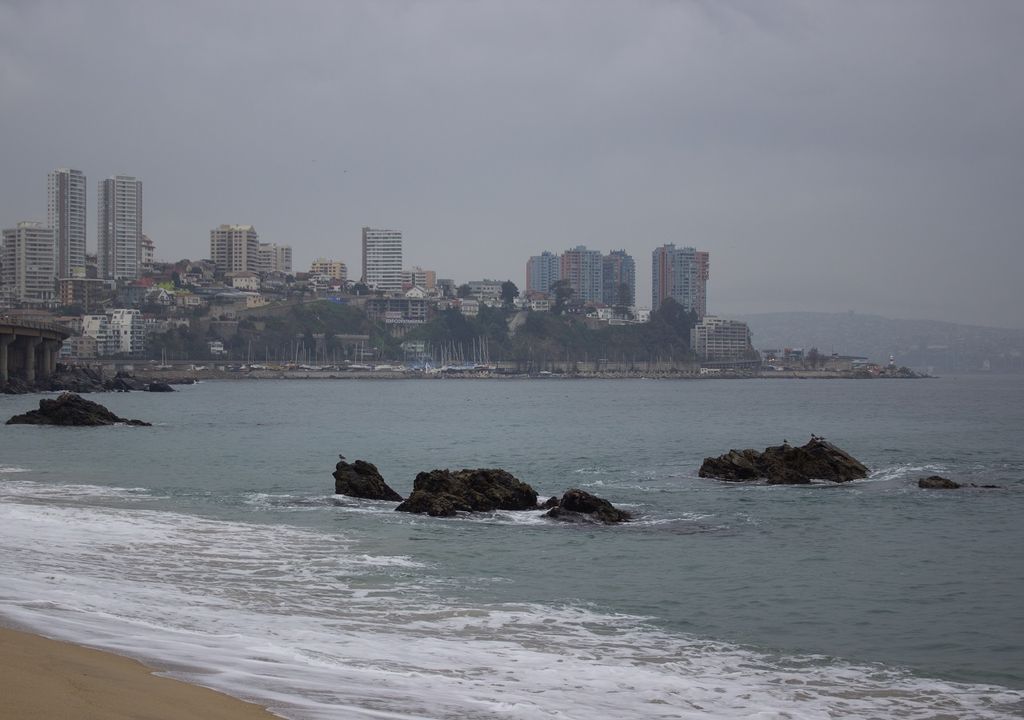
x,y
830,156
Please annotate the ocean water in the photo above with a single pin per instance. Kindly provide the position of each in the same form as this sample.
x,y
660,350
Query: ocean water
x,y
211,545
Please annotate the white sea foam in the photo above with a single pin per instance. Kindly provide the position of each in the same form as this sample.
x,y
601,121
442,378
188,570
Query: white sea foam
x,y
6,470
904,471
28,489
318,626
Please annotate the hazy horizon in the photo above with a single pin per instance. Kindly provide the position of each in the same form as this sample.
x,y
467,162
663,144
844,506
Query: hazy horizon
x,y
830,156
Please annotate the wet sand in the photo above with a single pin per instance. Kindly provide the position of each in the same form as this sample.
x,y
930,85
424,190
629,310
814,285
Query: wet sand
x,y
47,679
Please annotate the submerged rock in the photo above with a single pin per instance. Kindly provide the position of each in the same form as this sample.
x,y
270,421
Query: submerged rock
x,y
787,465
442,493
362,480
580,506
936,482
71,410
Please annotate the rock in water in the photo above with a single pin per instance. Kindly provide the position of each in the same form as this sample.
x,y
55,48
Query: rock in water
x,y
71,410
362,480
787,465
442,493
580,506
937,482
159,387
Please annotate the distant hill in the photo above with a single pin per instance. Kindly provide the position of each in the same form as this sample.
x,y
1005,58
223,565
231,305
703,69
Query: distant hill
x,y
920,344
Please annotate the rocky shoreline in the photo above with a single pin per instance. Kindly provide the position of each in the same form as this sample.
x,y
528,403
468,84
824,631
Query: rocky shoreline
x,y
76,379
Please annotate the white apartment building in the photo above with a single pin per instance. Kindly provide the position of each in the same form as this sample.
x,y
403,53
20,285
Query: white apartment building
x,y
119,228
235,248
275,258
97,327
118,332
27,267
382,259
715,338
331,268
66,214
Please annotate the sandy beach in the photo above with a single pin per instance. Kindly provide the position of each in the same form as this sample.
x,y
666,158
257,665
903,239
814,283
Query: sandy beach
x,y
46,679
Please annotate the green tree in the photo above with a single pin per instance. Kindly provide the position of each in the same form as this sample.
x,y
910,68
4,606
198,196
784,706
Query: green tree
x,y
463,291
509,292
563,292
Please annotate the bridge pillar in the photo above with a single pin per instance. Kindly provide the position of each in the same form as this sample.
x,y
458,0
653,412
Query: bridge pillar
x,y
5,340
50,350
31,343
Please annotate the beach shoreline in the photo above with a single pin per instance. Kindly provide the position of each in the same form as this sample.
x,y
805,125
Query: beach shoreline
x,y
46,678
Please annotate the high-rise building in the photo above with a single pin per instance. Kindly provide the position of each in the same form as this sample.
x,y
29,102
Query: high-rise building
x,y
275,258
66,214
27,269
331,268
680,274
585,272
235,248
382,259
543,271
619,279
703,261
119,228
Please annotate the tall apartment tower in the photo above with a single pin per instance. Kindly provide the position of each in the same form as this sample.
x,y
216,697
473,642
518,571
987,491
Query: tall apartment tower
x,y
119,228
66,214
543,271
681,274
619,278
382,259
27,269
235,248
584,270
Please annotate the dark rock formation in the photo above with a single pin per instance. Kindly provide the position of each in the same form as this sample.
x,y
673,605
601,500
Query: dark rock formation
x,y
787,465
17,386
937,482
551,502
159,387
580,506
70,409
76,379
442,493
124,382
362,480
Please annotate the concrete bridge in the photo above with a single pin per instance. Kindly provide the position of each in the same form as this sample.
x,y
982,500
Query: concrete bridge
x,y
28,349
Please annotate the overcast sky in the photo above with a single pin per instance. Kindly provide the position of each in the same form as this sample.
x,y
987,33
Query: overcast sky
x,y
864,156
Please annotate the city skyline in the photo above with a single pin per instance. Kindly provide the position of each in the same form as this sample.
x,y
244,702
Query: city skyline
x,y
832,156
